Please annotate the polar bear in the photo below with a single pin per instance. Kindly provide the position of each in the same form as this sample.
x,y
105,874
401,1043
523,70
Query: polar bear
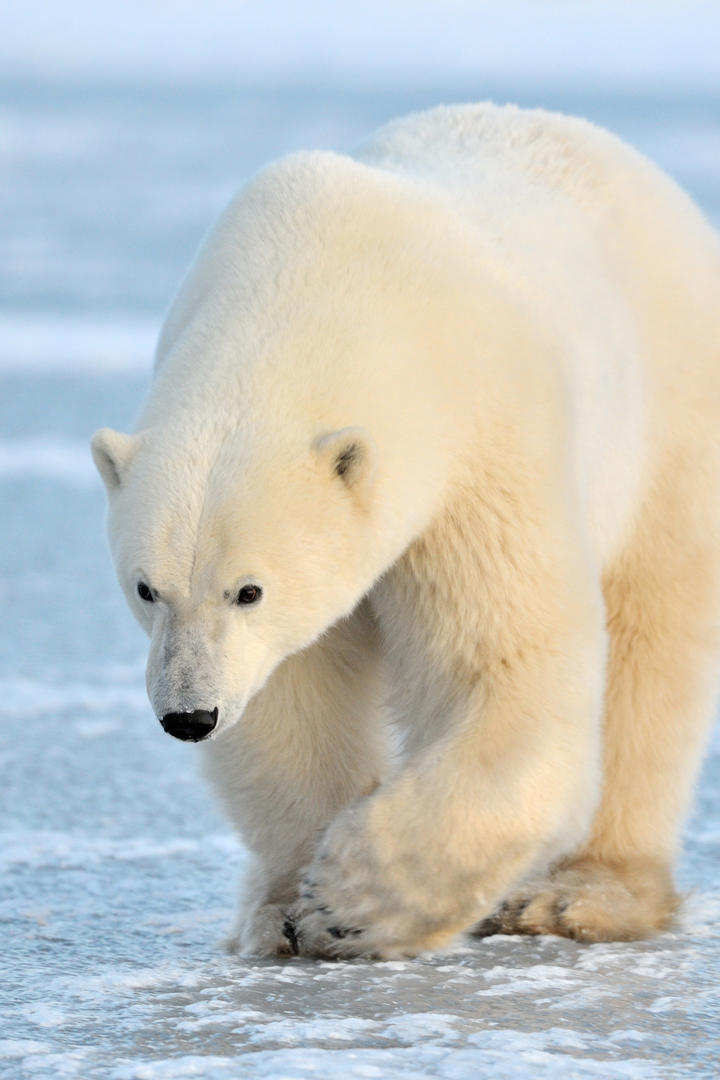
x,y
434,440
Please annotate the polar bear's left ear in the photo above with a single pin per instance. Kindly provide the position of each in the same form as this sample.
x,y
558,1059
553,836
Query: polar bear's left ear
x,y
349,455
112,452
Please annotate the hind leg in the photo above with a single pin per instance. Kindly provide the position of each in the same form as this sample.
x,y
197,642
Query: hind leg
x,y
663,617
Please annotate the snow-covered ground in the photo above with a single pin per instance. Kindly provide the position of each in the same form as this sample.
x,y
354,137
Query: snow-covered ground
x,y
119,879
118,873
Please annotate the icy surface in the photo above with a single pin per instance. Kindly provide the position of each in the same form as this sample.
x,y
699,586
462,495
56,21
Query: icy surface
x,y
118,873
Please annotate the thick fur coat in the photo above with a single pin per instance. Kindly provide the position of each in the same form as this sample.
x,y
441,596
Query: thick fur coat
x,y
434,439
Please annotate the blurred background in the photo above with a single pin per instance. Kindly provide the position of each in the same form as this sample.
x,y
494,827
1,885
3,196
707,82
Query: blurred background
x,y
124,129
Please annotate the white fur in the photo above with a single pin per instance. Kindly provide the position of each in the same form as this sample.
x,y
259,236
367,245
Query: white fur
x,y
508,323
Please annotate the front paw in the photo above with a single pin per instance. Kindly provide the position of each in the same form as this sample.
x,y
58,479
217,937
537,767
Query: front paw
x,y
314,933
362,897
332,921
264,932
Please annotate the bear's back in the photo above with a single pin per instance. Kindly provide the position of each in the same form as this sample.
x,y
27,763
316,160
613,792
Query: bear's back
x,y
607,250
490,151
542,186
568,213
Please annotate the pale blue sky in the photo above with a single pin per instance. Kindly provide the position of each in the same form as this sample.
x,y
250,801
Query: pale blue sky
x,y
635,42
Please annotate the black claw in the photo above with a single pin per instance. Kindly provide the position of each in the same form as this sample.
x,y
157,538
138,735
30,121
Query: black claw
x,y
288,930
519,906
488,927
560,906
499,922
344,931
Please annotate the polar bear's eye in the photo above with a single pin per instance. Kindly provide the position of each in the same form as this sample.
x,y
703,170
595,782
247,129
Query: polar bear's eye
x,y
249,594
145,593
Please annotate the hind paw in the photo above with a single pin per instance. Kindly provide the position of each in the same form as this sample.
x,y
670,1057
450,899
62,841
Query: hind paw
x,y
589,901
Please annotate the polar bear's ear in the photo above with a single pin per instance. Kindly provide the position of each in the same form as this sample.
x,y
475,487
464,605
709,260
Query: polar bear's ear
x,y
112,453
349,455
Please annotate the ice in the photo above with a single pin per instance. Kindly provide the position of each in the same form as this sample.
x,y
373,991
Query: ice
x,y
119,874
119,886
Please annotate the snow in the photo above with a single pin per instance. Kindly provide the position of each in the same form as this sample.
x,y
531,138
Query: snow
x,y
502,1007
119,872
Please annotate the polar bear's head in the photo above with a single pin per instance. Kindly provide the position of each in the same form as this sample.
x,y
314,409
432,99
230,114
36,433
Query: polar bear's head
x,y
298,431
232,560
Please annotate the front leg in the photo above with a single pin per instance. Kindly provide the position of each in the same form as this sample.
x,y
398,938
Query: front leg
x,y
503,771
269,890
307,745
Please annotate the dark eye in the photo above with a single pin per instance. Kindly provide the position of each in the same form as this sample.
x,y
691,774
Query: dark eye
x,y
249,594
145,593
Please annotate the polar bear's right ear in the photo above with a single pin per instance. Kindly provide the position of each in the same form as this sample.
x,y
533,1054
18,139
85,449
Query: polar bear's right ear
x,y
112,452
349,455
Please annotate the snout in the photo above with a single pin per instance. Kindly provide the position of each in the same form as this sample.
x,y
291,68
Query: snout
x,y
190,726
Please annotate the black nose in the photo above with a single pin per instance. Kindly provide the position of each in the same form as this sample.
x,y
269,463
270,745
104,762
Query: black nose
x,y
190,726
